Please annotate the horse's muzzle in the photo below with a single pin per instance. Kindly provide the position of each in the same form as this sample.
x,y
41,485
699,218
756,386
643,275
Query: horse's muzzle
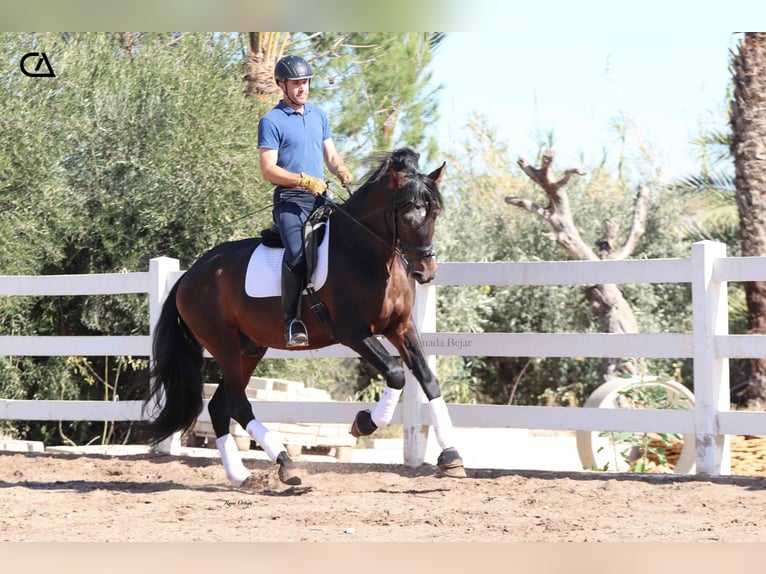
x,y
423,270
421,277
420,260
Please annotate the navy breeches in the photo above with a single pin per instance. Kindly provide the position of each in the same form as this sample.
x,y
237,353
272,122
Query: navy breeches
x,y
292,208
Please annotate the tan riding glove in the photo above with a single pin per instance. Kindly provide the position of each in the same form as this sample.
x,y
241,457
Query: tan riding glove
x,y
344,175
315,185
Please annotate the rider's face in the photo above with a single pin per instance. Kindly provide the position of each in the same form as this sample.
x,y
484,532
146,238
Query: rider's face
x,y
297,91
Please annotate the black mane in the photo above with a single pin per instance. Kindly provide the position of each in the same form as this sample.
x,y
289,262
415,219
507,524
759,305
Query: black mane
x,y
401,159
417,186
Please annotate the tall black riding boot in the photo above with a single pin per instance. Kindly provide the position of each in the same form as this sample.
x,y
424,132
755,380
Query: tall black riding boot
x,y
292,285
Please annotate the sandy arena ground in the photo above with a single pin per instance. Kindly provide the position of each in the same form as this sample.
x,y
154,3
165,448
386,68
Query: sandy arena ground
x,y
59,496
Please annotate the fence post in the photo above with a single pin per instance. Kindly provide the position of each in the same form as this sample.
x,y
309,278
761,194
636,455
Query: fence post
x,y
160,269
711,373
415,432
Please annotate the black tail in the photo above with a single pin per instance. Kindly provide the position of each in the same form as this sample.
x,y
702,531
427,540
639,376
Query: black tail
x,y
176,375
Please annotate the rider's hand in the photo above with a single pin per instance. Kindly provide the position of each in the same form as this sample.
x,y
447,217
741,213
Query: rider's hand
x,y
315,185
344,175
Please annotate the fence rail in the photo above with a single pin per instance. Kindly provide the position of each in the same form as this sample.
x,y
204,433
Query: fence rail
x,y
707,271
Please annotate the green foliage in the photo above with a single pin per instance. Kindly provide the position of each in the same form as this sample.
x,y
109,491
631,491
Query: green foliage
x,y
381,95
141,146
643,452
477,225
146,151
710,195
144,145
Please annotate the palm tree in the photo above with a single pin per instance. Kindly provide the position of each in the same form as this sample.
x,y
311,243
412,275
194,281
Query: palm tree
x,y
263,51
748,146
710,195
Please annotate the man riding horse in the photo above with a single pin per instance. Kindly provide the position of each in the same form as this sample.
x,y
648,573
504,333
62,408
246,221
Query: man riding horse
x,y
382,245
294,141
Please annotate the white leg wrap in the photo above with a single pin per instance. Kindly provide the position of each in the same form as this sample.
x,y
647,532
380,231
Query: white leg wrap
x,y
265,439
384,409
231,459
442,423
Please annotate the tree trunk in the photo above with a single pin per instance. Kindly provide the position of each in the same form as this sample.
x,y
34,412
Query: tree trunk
x,y
606,300
264,50
616,316
748,123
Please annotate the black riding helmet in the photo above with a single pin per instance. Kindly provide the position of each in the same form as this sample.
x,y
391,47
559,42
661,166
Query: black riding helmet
x,y
292,68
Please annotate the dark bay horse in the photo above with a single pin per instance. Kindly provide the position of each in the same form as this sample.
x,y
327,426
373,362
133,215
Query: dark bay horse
x,y
380,243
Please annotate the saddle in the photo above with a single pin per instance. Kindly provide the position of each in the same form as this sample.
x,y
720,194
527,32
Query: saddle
x,y
314,231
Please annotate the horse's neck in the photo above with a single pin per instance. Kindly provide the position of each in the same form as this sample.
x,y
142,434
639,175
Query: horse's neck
x,y
366,241
369,218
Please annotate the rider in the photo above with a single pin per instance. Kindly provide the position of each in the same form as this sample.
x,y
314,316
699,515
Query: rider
x,y
294,139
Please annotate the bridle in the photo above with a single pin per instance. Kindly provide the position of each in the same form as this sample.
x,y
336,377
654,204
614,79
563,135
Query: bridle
x,y
400,245
397,245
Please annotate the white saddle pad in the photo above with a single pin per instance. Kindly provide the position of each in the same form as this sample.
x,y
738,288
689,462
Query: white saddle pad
x,y
263,277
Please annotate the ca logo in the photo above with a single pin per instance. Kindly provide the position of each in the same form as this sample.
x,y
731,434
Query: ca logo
x,y
42,60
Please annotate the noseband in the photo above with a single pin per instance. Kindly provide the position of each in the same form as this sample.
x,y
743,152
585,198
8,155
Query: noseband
x,y
421,251
400,246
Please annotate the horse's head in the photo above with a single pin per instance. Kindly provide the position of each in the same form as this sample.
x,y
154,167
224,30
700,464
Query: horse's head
x,y
399,205
417,203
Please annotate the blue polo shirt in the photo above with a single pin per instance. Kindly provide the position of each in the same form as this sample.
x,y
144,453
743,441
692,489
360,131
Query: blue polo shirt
x,y
297,137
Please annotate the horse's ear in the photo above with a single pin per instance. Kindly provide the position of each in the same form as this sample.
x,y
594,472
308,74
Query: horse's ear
x,y
397,178
437,174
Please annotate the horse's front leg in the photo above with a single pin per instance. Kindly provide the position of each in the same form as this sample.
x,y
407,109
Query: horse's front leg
x,y
367,422
411,351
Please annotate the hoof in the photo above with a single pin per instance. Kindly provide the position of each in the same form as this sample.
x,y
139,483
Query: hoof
x,y
450,463
253,484
363,424
288,472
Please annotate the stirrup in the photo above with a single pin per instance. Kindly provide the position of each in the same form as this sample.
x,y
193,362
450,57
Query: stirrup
x,y
296,334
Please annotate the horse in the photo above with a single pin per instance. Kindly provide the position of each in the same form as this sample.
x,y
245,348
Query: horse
x,y
380,243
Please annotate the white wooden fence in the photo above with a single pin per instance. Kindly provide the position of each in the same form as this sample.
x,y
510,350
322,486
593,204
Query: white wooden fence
x,y
710,346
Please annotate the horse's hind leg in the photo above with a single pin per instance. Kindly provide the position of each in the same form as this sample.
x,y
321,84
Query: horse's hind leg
x,y
230,401
227,447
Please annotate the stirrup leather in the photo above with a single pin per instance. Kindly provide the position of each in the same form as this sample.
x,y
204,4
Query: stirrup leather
x,y
296,335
